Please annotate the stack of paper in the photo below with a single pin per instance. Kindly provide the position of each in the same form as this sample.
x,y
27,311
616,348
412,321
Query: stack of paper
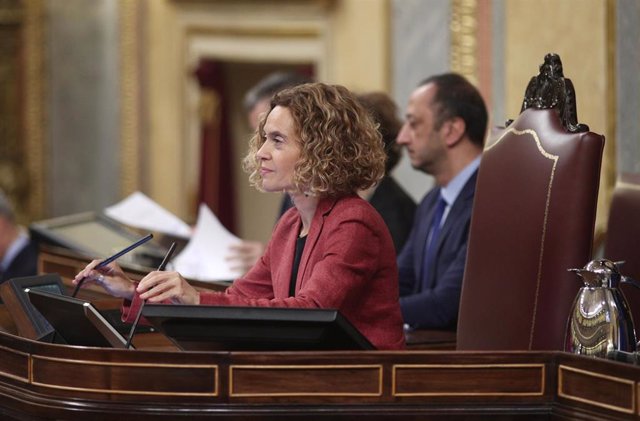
x,y
204,257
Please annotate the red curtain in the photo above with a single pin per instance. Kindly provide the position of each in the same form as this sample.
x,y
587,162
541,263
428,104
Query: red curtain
x,y
216,154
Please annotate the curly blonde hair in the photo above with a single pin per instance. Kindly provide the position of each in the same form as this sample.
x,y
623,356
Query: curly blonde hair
x,y
341,149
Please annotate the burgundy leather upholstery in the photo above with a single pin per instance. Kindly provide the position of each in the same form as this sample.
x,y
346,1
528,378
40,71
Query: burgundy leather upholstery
x,y
623,236
533,218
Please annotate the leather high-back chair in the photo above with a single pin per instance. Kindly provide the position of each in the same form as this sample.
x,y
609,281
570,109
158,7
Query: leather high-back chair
x,y
623,235
533,218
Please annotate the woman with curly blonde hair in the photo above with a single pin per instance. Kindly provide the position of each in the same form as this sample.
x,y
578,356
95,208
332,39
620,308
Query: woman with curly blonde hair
x,y
332,249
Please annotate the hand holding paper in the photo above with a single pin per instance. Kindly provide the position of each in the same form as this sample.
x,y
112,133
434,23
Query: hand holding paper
x,y
203,258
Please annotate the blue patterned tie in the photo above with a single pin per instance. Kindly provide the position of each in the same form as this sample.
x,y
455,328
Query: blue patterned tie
x,y
432,239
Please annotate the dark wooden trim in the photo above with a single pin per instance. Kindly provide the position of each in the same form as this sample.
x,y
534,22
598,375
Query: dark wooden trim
x,y
40,381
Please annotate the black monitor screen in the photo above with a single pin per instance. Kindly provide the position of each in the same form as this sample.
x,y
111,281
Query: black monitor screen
x,y
95,235
77,322
254,328
49,282
52,288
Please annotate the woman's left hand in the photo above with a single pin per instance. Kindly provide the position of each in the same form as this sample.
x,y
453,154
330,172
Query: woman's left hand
x,y
160,286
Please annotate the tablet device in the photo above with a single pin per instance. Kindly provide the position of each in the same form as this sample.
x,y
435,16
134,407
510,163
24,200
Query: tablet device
x,y
79,233
229,328
76,322
29,322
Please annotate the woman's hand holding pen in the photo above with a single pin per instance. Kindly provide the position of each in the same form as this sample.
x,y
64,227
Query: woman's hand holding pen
x,y
110,277
160,286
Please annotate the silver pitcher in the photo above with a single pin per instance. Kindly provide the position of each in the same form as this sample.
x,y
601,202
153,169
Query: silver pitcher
x,y
600,321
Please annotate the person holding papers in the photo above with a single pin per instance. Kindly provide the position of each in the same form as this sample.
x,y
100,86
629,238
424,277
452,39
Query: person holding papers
x,y
332,249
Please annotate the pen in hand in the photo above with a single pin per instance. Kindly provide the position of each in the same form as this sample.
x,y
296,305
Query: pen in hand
x,y
166,259
114,257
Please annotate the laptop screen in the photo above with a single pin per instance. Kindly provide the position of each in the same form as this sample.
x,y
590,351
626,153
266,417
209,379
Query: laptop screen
x,y
76,321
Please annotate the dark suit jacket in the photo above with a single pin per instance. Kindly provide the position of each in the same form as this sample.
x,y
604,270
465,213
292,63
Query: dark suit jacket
x,y
348,263
397,209
24,264
432,300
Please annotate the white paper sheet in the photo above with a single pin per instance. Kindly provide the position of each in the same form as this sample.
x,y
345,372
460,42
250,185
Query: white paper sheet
x,y
139,211
203,258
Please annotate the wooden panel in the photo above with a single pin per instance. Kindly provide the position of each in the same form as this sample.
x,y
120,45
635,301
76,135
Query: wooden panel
x,y
125,378
46,381
305,380
471,380
14,364
592,388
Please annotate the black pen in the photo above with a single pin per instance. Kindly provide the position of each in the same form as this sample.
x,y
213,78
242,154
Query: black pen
x,y
114,257
166,259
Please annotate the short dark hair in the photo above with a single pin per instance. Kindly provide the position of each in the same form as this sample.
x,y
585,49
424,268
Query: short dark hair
x,y
457,97
272,84
385,112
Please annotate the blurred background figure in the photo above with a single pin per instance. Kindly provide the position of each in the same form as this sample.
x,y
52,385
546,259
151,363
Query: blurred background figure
x,y
257,101
18,255
444,133
394,204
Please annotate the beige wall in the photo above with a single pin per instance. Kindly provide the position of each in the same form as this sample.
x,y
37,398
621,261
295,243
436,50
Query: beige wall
x,y
163,143
360,46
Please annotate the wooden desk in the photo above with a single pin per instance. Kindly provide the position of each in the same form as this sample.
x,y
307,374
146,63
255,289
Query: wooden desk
x,y
44,382
430,339
41,381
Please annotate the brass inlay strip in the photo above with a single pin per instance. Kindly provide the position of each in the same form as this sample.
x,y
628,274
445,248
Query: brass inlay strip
x,y
608,167
129,97
35,98
214,392
304,367
464,39
553,158
563,394
394,391
13,376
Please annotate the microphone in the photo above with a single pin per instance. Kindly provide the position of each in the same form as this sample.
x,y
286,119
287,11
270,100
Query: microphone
x,y
166,259
108,260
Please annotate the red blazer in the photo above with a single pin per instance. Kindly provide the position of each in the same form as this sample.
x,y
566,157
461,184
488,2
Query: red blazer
x,y
348,263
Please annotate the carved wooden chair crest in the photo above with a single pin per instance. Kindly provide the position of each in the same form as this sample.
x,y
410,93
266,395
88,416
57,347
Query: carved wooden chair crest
x,y
551,90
